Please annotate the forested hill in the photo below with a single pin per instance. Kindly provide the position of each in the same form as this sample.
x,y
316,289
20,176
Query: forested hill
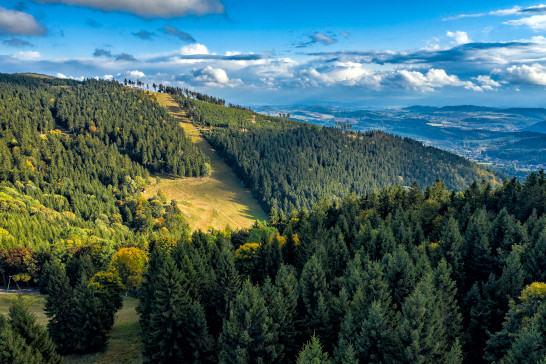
x,y
289,164
85,147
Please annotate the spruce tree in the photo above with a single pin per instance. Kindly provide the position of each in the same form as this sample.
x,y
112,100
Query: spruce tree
x,y
13,348
451,243
314,296
58,307
376,341
446,293
284,311
400,273
421,331
23,323
88,319
312,353
246,336
171,301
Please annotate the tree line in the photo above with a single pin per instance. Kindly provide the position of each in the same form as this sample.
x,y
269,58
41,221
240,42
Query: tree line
x,y
428,276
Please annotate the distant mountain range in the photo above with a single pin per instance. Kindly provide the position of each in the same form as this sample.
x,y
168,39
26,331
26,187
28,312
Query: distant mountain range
x,y
511,139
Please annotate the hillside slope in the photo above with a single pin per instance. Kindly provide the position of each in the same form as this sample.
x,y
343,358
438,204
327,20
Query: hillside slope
x,y
216,201
288,164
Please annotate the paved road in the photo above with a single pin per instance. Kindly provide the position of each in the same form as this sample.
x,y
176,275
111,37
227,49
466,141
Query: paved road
x,y
14,290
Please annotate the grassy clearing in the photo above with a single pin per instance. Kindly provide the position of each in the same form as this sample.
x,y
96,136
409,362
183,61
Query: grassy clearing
x,y
34,302
125,341
212,202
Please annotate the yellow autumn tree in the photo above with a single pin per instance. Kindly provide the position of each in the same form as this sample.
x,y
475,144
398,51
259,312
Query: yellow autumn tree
x,y
130,264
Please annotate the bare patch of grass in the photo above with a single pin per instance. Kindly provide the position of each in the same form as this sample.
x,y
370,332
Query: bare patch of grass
x,y
211,202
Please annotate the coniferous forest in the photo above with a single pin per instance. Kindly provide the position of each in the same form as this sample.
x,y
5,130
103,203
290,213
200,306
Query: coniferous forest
x,y
377,249
293,165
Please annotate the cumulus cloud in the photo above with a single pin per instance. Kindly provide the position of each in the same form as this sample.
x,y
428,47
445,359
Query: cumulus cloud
x,y
151,8
19,23
487,83
340,73
535,22
108,77
183,36
426,82
193,49
459,37
16,42
211,75
63,76
534,74
135,74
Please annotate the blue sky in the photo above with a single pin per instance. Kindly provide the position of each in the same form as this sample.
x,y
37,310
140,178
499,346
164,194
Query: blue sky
x,y
354,53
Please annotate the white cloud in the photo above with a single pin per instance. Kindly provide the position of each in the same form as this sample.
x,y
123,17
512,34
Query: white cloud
x,y
427,82
135,74
151,8
340,73
193,49
20,23
487,83
60,75
535,22
108,77
459,37
502,12
211,76
534,74
27,55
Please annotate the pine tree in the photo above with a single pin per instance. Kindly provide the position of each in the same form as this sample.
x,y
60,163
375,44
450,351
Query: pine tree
x,y
400,273
227,284
314,295
246,336
534,259
446,293
58,307
348,356
421,331
13,348
312,353
286,304
23,323
88,323
171,301
451,243
376,342
198,343
455,355
146,304
477,249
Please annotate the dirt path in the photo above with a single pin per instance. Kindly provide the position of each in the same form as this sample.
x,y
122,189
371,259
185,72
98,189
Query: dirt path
x,y
212,202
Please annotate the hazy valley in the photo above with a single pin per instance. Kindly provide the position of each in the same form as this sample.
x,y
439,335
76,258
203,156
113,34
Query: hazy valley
x,y
512,140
